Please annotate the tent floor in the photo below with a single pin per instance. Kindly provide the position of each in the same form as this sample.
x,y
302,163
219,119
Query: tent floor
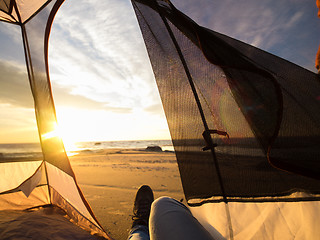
x,y
48,222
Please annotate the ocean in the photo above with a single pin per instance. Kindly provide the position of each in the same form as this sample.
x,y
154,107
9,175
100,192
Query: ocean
x,y
33,150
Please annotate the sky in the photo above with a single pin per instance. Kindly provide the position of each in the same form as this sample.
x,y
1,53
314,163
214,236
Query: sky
x,y
102,80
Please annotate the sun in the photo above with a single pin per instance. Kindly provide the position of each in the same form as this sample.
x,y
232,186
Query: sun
x,y
68,128
60,133
68,142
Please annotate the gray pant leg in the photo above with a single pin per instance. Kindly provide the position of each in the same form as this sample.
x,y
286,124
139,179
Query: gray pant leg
x,y
139,232
172,220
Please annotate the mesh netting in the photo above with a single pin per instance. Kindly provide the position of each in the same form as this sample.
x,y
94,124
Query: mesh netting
x,y
210,83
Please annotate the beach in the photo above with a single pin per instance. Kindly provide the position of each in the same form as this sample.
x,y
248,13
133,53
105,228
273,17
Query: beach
x,y
109,175
109,179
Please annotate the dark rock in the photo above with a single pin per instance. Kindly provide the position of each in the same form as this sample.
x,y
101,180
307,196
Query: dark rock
x,y
154,149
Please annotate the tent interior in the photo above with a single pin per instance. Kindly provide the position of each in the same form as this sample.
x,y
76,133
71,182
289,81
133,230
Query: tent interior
x,y
244,123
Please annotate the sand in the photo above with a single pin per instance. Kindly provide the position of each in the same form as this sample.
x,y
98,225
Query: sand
x,y
109,180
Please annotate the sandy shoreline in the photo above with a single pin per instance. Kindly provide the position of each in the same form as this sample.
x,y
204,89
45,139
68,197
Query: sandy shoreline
x,y
109,180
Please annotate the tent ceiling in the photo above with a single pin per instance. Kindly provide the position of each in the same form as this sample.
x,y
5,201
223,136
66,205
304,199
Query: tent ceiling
x,y
26,9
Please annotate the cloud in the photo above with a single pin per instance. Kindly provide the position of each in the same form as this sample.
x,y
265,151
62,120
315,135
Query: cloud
x,y
17,124
11,47
63,97
154,109
100,73
13,32
14,85
99,54
98,60
15,89
288,28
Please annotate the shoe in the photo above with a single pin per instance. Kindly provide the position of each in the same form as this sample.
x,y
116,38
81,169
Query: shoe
x,y
142,206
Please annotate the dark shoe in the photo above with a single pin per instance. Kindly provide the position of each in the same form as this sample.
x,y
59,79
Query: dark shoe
x,y
142,206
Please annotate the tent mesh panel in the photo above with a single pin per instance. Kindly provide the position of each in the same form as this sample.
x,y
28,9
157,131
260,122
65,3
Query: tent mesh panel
x,y
269,107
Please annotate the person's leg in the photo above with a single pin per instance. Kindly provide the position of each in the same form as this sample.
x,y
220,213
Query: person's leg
x,y
139,232
170,220
141,213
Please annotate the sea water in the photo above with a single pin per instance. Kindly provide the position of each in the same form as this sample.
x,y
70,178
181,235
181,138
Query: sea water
x,y
20,150
31,150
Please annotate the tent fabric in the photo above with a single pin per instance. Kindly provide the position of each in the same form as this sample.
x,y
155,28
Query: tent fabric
x,y
20,11
257,113
66,187
52,180
281,220
38,178
47,222
28,8
79,219
245,126
36,35
17,200
12,174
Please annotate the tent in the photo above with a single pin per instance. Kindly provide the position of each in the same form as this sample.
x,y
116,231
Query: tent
x,y
51,181
244,124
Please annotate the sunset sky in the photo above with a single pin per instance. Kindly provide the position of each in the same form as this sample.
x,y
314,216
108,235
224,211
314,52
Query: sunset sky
x,y
102,80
